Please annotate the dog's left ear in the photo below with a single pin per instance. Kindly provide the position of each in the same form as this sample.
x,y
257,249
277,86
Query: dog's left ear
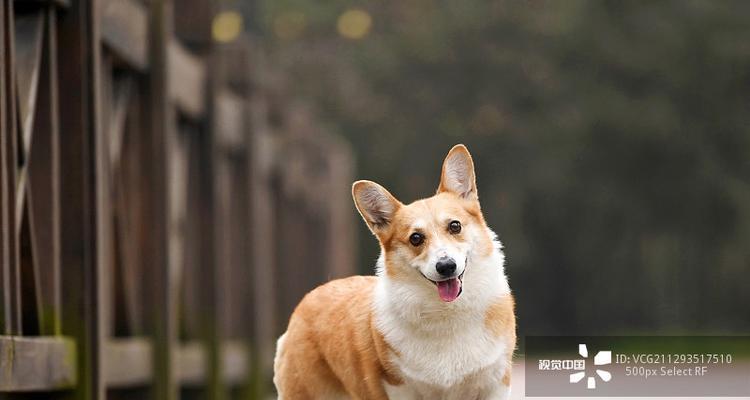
x,y
458,174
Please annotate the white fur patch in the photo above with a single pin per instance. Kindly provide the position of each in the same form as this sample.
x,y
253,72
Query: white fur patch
x,y
277,362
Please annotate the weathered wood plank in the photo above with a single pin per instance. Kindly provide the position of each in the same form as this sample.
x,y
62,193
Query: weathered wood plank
x,y
191,364
125,31
161,289
261,152
192,361
5,296
9,170
225,242
187,80
235,362
37,363
191,233
104,207
215,289
128,362
79,120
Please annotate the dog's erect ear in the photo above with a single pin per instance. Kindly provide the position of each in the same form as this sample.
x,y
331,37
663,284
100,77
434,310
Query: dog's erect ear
x,y
375,204
458,173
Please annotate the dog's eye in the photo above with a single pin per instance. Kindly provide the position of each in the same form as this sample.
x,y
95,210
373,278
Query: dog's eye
x,y
416,239
454,227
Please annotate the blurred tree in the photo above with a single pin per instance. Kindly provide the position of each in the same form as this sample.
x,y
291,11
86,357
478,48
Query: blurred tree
x,y
611,141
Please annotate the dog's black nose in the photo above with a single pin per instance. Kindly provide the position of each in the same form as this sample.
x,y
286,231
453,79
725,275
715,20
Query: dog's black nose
x,y
446,266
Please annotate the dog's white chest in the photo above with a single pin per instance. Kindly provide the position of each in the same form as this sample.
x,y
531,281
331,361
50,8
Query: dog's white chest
x,y
446,356
484,384
442,348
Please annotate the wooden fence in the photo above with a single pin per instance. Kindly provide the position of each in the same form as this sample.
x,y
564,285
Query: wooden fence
x,y
164,203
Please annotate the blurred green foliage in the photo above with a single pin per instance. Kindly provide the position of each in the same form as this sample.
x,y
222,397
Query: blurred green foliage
x,y
611,141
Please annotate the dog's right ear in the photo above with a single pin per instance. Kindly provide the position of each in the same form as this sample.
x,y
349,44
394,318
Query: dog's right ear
x,y
375,204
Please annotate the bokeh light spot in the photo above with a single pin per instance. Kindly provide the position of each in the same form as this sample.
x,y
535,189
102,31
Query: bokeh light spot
x,y
227,25
354,24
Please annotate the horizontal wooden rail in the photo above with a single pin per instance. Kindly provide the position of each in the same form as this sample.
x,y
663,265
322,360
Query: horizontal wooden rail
x,y
191,364
192,367
235,362
187,80
230,114
37,363
128,363
125,30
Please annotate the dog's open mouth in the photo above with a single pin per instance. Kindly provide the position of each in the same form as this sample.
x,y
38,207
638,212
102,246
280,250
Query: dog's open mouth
x,y
449,289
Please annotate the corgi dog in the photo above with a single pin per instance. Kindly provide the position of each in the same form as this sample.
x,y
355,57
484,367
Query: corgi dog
x,y
436,322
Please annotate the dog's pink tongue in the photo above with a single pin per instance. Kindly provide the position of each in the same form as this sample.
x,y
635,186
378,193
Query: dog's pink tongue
x,y
449,289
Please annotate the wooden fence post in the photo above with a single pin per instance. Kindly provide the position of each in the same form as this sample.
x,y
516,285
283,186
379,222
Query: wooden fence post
x,y
263,209
161,283
79,122
11,261
5,298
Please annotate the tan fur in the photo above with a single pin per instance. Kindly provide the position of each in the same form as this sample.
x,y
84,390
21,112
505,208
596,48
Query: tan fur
x,y
500,318
506,378
332,347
